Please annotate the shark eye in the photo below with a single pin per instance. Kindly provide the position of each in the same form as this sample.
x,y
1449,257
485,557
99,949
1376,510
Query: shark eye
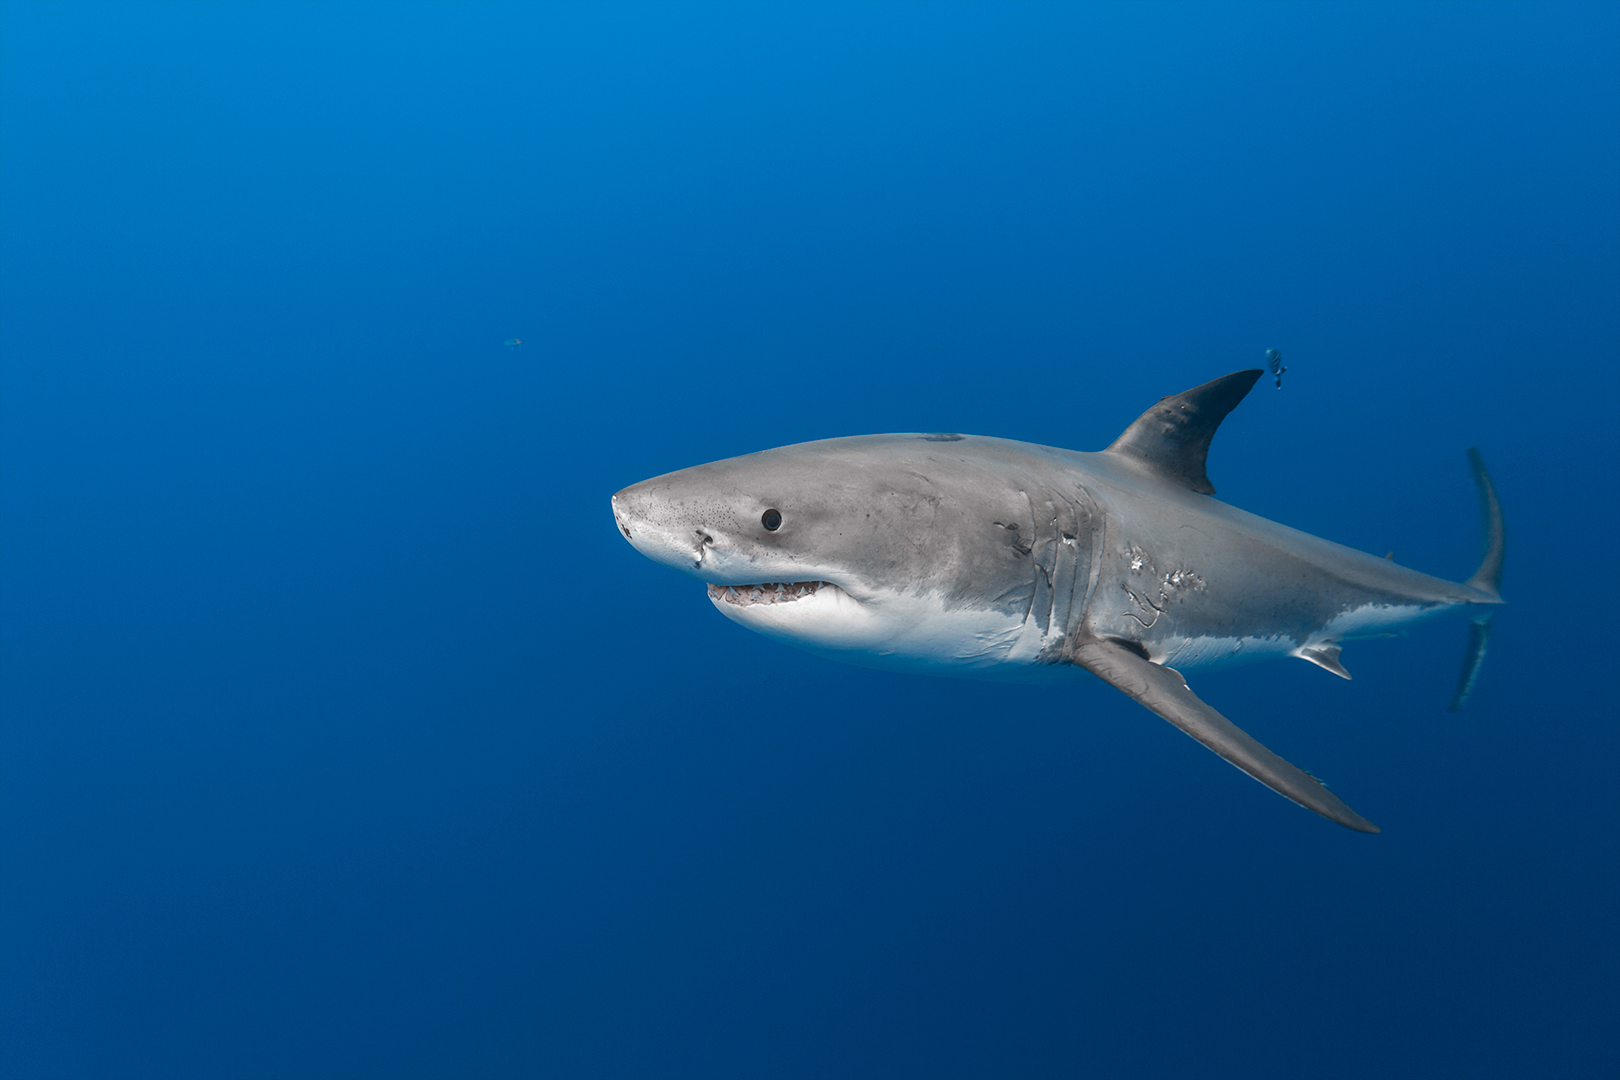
x,y
772,520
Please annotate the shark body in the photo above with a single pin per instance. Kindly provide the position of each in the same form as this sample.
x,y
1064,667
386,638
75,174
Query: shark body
x,y
992,558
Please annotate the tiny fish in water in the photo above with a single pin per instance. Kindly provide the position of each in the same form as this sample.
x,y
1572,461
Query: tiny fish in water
x,y
1274,362
512,343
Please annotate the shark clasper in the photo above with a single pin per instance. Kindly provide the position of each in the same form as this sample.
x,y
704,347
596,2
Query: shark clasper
x,y
985,557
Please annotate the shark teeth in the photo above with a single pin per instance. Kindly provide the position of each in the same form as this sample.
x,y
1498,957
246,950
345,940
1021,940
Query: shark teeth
x,y
771,592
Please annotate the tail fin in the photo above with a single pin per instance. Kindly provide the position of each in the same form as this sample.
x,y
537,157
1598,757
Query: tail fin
x,y
1487,579
1479,636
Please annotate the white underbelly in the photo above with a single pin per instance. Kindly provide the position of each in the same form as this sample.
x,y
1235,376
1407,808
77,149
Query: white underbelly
x,y
1204,651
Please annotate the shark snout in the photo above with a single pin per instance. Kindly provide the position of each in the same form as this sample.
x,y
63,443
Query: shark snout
x,y
620,518
661,530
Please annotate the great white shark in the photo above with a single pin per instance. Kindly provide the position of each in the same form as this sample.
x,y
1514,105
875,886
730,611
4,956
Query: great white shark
x,y
968,555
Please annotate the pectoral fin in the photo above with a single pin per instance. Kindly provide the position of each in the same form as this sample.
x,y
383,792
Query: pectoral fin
x,y
1166,693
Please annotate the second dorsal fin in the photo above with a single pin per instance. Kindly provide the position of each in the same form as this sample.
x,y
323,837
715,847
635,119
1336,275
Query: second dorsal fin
x,y
1172,438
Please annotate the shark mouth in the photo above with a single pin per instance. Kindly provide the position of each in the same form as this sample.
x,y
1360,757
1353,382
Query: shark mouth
x,y
771,592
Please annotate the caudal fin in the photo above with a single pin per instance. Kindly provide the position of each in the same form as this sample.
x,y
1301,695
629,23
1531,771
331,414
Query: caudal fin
x,y
1487,579
1479,636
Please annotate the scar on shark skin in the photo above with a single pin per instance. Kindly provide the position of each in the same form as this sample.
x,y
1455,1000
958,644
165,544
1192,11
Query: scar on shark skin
x,y
1148,604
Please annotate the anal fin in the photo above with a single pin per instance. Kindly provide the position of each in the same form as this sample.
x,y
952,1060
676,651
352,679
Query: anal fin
x,y
1166,693
1325,657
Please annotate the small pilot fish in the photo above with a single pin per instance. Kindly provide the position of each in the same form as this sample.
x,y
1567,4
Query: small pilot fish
x,y
1274,362
512,343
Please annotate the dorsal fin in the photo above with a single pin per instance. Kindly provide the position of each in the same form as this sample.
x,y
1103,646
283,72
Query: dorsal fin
x,y
1172,438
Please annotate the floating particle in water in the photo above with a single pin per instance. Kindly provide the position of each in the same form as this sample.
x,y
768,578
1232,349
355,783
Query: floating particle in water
x,y
1274,362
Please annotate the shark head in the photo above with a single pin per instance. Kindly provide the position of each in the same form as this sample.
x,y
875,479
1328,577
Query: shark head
x,y
855,545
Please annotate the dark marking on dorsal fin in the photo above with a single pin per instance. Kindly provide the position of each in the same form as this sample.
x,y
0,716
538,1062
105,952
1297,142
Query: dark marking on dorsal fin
x,y
1172,438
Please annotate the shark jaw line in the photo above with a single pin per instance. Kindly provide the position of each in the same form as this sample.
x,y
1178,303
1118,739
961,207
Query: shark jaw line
x,y
814,614
896,630
770,592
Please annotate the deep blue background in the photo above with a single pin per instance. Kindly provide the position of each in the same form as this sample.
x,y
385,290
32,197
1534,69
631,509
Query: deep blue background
x,y
344,736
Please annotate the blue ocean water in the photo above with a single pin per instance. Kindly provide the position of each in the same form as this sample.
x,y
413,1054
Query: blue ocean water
x,y
341,734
